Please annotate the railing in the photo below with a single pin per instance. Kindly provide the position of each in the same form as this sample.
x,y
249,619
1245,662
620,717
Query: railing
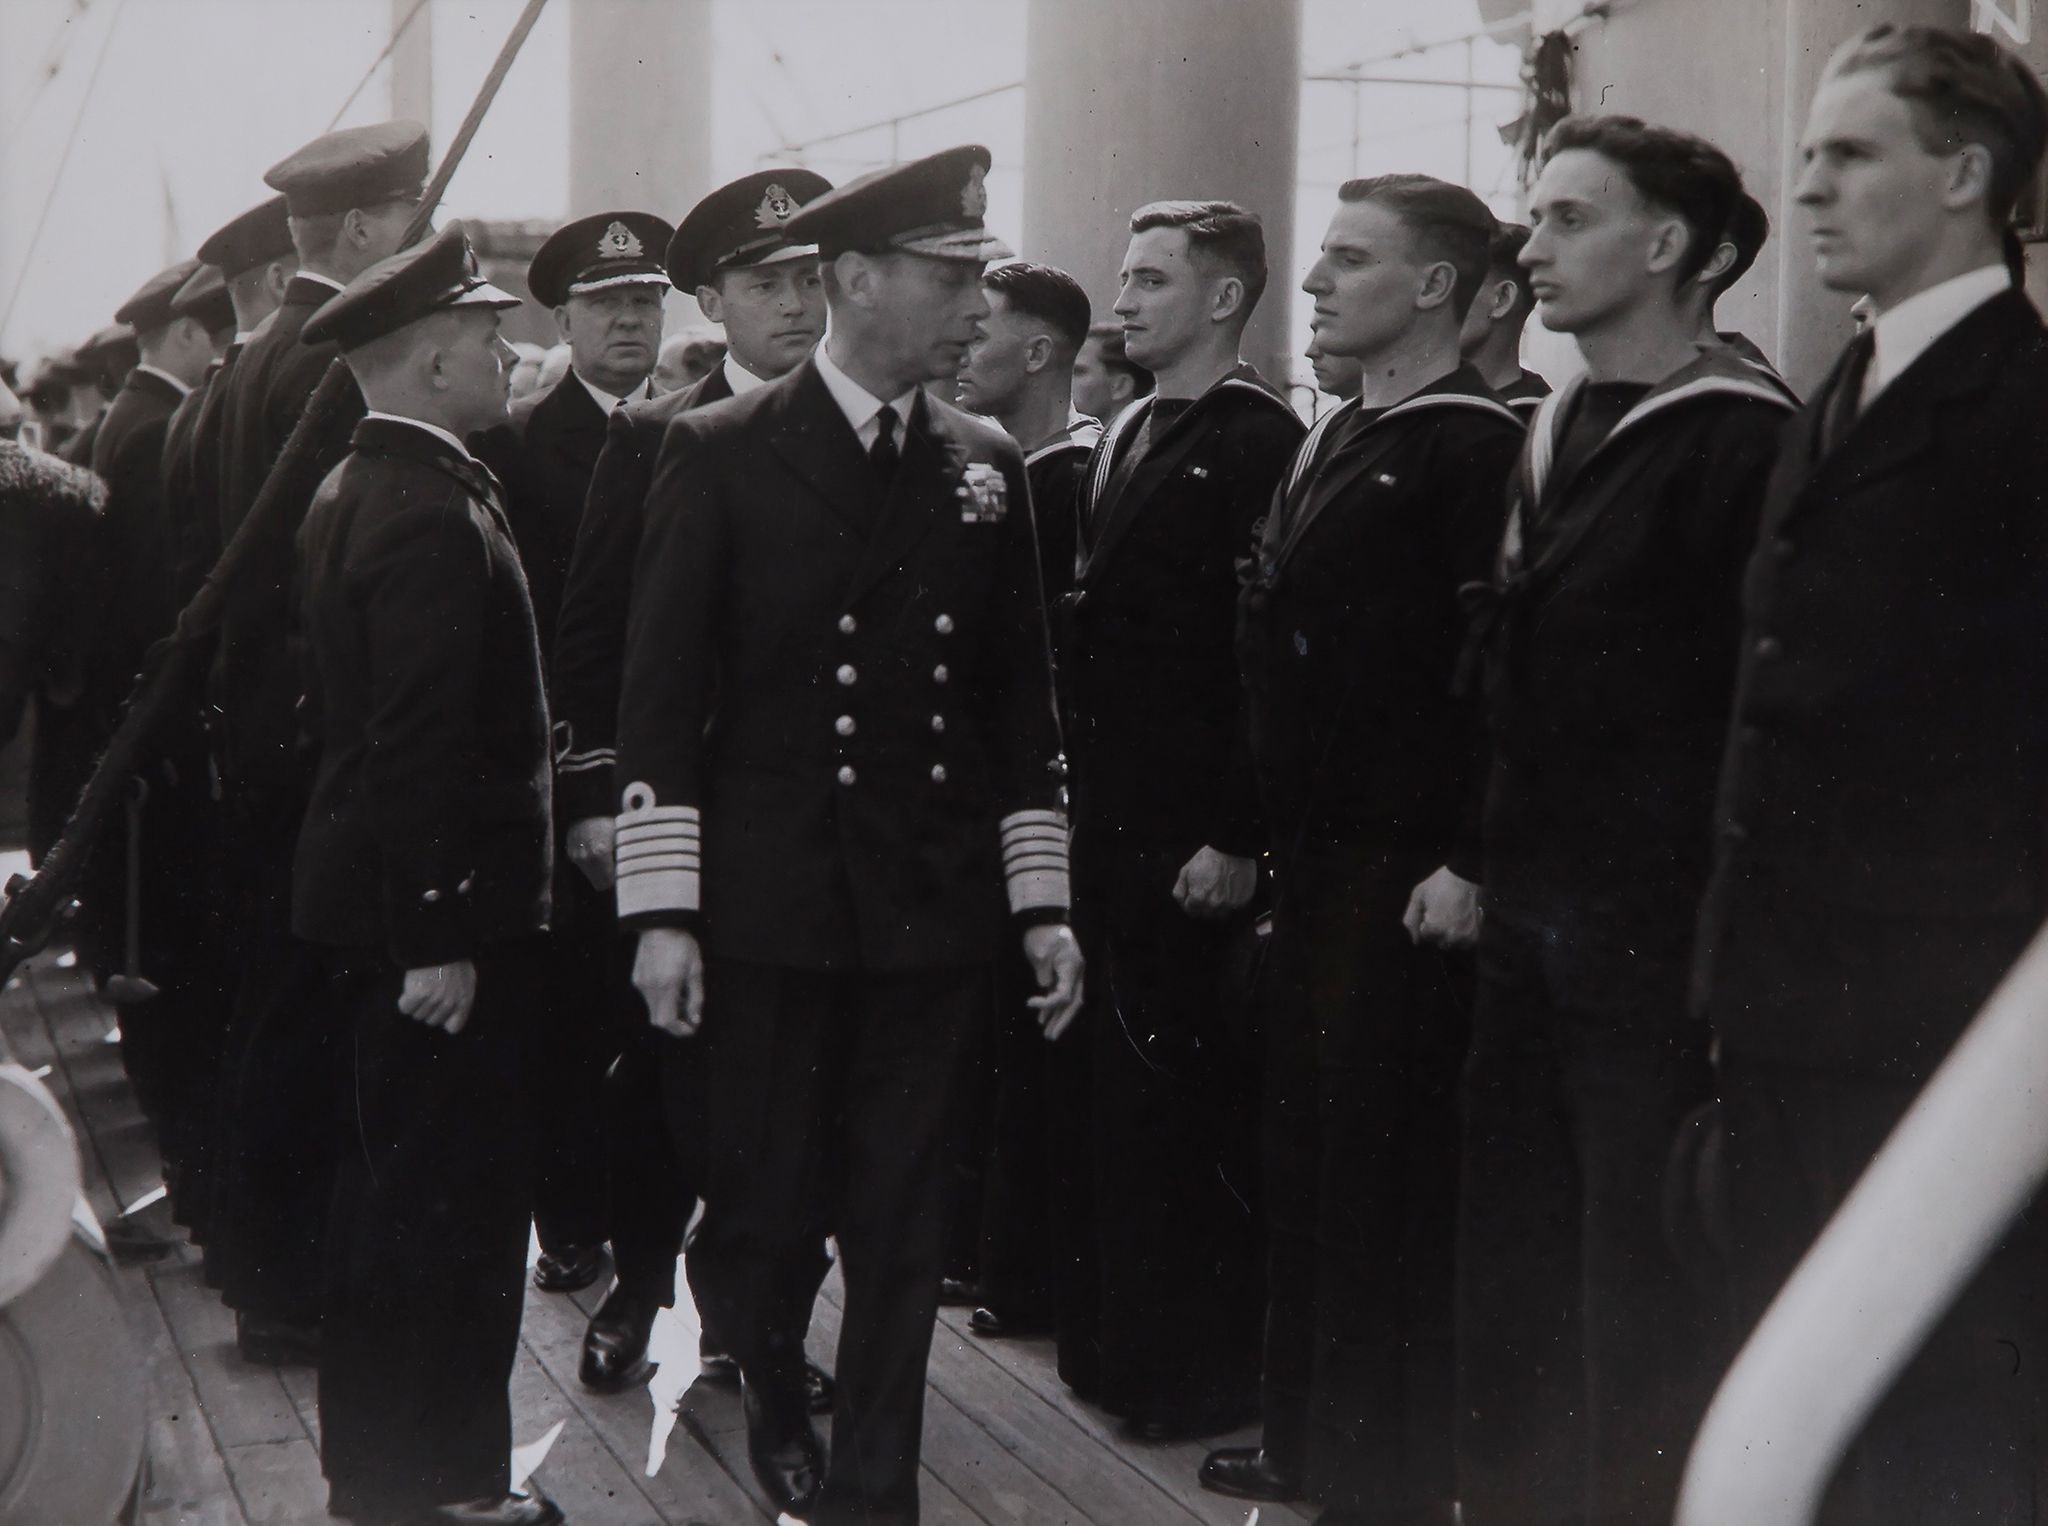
x,y
1864,1298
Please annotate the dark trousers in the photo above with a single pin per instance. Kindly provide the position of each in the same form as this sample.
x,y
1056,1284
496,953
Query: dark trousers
x,y
606,1170
170,1043
1962,1433
1016,1231
1072,1243
1175,1095
1585,1358
830,1099
427,1263
1365,1039
969,1177
279,1066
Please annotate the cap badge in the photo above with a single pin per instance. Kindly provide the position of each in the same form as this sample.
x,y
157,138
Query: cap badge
x,y
777,207
620,243
974,195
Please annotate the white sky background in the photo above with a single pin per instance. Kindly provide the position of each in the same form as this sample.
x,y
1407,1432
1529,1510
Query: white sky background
x,y
194,99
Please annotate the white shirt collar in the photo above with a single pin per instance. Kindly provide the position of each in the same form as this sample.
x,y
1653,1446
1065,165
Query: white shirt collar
x,y
740,379
858,404
162,375
314,275
607,400
1905,332
433,429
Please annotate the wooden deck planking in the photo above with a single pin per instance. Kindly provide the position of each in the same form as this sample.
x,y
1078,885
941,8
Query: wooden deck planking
x,y
77,1025
1171,1468
694,1484
232,1445
188,1482
247,1404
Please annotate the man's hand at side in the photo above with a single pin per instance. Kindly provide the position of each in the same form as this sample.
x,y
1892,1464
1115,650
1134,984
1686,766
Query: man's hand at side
x,y
668,972
1214,884
439,995
590,846
1444,910
1056,960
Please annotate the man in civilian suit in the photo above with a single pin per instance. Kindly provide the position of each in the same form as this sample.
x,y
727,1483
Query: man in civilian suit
x,y
844,567
1883,832
748,275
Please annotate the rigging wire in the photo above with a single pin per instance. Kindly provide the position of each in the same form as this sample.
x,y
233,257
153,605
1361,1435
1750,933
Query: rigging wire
x,y
57,179
377,63
52,65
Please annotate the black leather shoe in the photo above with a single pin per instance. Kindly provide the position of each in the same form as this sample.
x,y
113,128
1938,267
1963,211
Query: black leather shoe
x,y
986,1321
276,1342
788,1458
714,1363
143,1236
1246,1473
957,1293
530,1508
819,1389
569,1270
615,1345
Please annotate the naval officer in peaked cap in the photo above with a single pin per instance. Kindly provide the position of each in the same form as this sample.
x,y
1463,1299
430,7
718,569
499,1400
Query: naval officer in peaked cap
x,y
421,876
597,1181
733,252
349,198
846,564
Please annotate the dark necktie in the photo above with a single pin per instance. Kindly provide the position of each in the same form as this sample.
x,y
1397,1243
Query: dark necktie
x,y
1846,401
884,453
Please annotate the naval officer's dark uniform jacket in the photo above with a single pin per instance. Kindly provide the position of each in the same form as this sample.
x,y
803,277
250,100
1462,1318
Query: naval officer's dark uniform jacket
x,y
270,1262
606,1171
169,1044
427,841
835,747
1161,766
1350,630
1608,635
128,455
193,921
658,1156
590,643
545,454
256,674
176,471
1882,858
195,484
